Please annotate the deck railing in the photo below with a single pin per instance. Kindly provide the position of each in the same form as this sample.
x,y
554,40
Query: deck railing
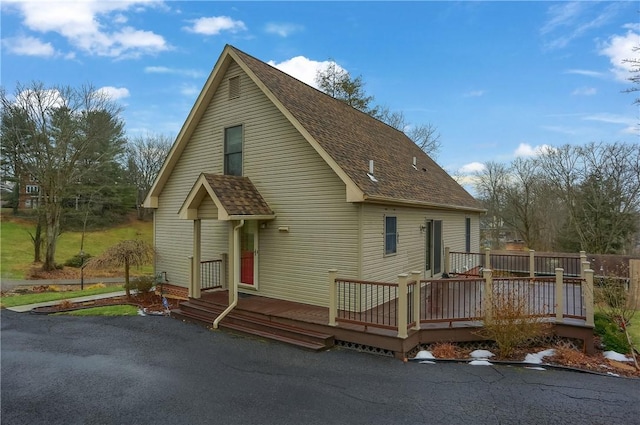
x,y
385,304
210,274
512,264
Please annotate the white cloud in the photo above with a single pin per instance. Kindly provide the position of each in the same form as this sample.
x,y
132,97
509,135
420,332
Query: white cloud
x,y
282,29
475,93
93,26
214,25
302,68
618,49
560,129
584,72
473,167
113,93
630,124
525,149
193,73
584,91
632,26
189,90
28,46
571,20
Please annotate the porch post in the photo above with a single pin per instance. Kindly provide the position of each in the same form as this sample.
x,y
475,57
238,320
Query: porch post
x,y
559,295
487,299
532,263
588,296
197,226
190,287
333,299
401,312
415,276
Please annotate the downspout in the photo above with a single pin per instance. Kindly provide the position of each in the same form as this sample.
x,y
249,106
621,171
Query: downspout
x,y
236,274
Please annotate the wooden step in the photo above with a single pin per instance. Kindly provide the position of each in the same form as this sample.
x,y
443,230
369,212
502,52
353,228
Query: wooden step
x,y
237,321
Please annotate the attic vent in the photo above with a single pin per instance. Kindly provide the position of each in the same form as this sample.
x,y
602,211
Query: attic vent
x,y
234,87
414,163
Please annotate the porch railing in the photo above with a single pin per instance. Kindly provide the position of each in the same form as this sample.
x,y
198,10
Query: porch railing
x,y
511,264
210,274
405,304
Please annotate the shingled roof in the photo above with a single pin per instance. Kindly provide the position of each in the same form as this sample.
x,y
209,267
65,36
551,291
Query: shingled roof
x,y
235,198
353,138
346,138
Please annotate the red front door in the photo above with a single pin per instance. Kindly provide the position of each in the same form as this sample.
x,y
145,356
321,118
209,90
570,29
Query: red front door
x,y
248,252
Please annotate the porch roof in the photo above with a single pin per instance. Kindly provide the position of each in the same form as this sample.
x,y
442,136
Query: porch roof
x,y
235,197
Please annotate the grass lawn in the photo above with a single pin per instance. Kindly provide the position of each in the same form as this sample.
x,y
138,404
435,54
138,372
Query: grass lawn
x,y
16,250
112,310
15,300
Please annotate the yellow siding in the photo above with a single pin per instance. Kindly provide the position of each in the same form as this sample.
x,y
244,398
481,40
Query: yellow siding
x,y
305,194
410,254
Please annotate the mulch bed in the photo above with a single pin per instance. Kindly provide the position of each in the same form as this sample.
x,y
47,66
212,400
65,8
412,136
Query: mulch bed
x,y
149,303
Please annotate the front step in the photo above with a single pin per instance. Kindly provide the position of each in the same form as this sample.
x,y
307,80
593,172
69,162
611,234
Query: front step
x,y
237,321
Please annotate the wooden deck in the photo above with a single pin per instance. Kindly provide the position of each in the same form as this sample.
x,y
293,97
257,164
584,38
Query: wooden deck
x,y
289,322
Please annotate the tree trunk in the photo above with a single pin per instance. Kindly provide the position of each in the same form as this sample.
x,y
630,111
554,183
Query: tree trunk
x,y
52,216
126,278
37,241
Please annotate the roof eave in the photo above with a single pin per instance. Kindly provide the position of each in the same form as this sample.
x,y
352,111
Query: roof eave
x,y
422,204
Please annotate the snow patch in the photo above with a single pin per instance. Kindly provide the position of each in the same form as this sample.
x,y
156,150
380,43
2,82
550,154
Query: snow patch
x,y
536,358
481,354
535,368
480,363
140,312
427,362
612,355
423,354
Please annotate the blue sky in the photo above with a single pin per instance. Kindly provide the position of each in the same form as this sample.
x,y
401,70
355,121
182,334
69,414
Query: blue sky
x,y
498,79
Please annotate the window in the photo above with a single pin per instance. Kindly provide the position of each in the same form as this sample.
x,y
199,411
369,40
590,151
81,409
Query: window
x,y
390,235
467,234
32,188
233,151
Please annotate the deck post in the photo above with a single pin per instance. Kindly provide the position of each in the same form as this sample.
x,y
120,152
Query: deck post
x,y
487,258
447,262
559,295
583,259
532,263
401,312
190,287
415,276
583,268
588,296
487,299
333,298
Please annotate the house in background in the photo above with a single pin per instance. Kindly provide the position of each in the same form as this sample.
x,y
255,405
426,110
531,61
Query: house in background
x,y
29,195
285,182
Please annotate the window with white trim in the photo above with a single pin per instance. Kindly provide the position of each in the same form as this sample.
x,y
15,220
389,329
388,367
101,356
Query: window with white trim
x,y
390,235
32,188
233,151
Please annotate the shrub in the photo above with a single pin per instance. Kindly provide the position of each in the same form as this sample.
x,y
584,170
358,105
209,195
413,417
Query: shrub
x,y
613,338
96,286
142,284
445,350
511,325
77,261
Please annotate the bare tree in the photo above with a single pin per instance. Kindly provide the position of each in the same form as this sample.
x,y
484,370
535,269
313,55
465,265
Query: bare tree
x,y
426,136
490,186
600,186
62,135
145,156
127,253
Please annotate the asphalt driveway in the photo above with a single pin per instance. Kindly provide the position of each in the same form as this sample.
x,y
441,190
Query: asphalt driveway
x,y
156,370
